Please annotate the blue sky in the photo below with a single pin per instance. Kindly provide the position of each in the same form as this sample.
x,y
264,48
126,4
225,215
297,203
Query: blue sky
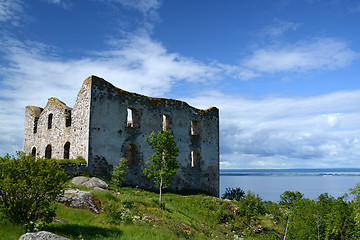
x,y
284,74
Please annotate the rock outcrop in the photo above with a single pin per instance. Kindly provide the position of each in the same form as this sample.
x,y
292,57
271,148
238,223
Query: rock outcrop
x,y
81,199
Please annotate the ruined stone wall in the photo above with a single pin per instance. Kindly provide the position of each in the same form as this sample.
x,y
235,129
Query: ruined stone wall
x,y
68,126
111,136
45,129
101,132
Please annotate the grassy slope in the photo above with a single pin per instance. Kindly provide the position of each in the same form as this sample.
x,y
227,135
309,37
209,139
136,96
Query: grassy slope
x,y
187,217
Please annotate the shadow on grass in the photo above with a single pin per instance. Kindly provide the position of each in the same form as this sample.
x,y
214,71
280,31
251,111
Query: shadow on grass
x,y
84,231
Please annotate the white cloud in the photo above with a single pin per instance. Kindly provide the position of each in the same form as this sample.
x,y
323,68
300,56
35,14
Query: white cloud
x,y
34,74
318,54
287,132
11,11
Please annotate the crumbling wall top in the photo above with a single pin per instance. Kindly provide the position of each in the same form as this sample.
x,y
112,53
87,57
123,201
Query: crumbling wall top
x,y
36,111
145,100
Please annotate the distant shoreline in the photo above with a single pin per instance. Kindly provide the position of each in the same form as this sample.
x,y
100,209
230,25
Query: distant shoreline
x,y
292,172
287,175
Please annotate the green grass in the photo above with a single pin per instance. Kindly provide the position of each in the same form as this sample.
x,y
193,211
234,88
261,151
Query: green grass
x,y
196,216
70,161
10,231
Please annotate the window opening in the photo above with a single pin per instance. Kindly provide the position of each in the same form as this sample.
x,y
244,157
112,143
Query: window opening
x,y
35,124
132,118
131,152
33,151
67,150
67,118
166,122
48,151
50,117
195,158
194,127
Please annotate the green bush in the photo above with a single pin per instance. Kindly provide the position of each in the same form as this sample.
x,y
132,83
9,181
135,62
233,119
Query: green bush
x,y
127,203
28,186
233,193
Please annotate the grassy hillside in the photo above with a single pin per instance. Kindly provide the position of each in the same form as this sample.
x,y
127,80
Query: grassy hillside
x,y
136,214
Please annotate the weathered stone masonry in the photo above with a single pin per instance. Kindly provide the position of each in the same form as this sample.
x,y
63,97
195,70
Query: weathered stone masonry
x,y
107,123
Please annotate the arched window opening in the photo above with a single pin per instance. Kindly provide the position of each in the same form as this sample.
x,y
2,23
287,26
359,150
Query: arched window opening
x,y
131,152
35,124
50,117
195,158
132,118
33,151
166,122
194,127
67,118
67,150
48,151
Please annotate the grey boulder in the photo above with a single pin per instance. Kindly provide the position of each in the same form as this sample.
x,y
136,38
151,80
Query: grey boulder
x,y
43,235
79,180
95,182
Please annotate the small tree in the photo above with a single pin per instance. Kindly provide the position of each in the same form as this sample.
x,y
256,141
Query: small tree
x,y
119,174
163,165
28,186
233,193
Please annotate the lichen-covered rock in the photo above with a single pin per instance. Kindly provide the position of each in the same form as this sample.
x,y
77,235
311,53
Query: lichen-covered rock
x,y
95,182
79,180
43,235
81,199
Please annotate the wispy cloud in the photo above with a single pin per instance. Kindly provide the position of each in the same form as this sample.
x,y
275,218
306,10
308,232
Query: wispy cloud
x,y
317,54
278,28
63,3
11,11
148,8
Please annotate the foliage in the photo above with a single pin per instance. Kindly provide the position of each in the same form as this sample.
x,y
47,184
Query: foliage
x,y
251,205
324,218
119,174
233,193
288,198
127,203
163,164
77,160
28,186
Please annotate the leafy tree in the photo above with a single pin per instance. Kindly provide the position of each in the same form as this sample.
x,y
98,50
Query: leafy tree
x,y
163,165
288,198
302,220
233,193
119,174
356,205
28,186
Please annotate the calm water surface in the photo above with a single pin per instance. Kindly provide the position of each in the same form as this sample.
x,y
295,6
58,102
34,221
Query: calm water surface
x,y
270,187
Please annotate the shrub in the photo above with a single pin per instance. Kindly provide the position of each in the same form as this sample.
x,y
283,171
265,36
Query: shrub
x,y
127,203
251,205
113,214
233,193
28,186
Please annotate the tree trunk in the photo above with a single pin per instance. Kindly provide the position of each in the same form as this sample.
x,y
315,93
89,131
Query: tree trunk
x,y
161,184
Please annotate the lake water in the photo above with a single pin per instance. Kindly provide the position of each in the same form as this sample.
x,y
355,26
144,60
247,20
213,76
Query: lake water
x,y
271,183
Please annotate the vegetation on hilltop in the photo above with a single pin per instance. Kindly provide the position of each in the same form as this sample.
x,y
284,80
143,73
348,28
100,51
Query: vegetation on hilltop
x,y
136,214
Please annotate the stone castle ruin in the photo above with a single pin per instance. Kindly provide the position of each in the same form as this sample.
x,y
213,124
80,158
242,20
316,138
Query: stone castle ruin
x,y
107,124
